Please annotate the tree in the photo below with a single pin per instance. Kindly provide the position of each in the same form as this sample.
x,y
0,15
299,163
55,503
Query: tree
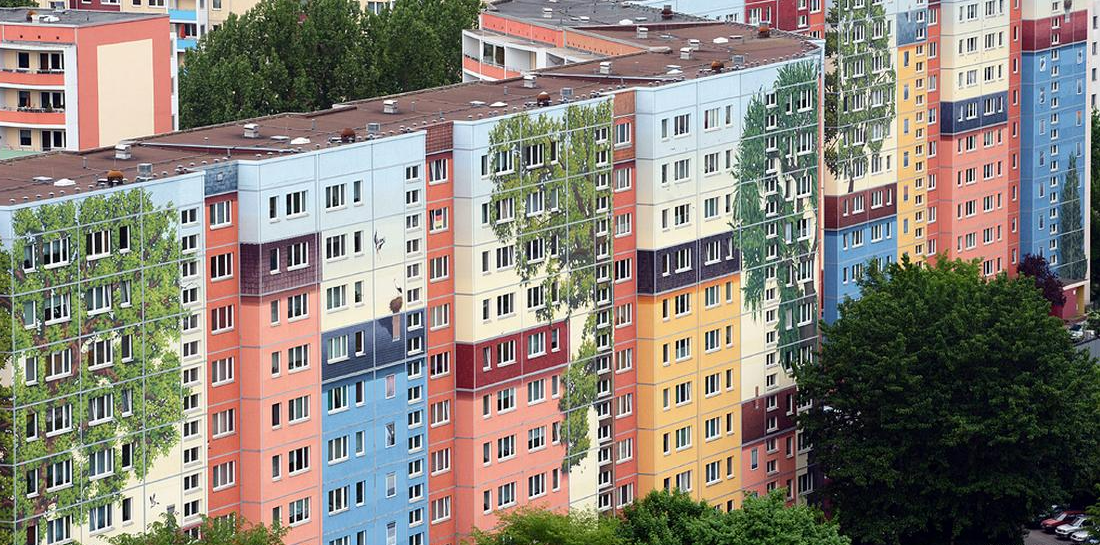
x,y
223,531
1072,233
667,518
948,409
664,518
292,56
1037,268
1094,209
538,526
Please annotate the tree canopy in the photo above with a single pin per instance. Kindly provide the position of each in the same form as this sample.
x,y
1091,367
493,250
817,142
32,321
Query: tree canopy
x,y
671,518
1046,281
291,56
222,531
948,408
1094,208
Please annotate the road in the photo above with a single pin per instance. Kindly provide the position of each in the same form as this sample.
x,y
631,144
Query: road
x,y
1038,537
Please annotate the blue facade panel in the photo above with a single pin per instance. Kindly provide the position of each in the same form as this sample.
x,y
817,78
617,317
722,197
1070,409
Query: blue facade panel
x,y
374,439
1053,118
850,249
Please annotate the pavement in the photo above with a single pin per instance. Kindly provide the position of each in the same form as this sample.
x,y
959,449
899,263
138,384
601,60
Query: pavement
x,y
1038,537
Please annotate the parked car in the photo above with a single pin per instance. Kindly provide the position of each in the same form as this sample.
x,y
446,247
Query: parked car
x,y
1077,332
1037,522
1072,526
1081,536
1058,519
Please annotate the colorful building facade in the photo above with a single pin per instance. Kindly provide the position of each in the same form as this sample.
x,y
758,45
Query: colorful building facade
x,y
83,80
394,333
960,132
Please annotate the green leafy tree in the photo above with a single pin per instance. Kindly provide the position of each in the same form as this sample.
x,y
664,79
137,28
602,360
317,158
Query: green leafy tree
x,y
548,186
948,409
762,208
667,518
291,56
222,531
541,527
142,329
859,95
1094,208
1072,238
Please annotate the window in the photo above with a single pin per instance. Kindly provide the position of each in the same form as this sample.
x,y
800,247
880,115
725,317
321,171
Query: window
x,y
298,460
298,512
97,244
506,400
220,214
295,204
441,509
225,475
221,266
297,358
441,413
297,306
298,409
223,423
335,196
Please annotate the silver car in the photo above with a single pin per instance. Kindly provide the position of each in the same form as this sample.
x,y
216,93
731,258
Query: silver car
x,y
1071,527
1080,536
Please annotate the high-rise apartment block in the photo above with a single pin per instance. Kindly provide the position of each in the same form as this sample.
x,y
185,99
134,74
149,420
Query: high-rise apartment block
x,y
80,80
960,131
395,320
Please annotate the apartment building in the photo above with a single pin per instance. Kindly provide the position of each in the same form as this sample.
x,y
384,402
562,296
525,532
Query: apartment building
x,y
73,81
516,36
960,133
398,319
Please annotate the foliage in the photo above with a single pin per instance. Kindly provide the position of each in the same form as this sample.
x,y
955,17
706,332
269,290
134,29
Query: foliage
x,y
855,134
550,190
1072,238
667,518
286,55
671,518
758,189
948,409
1037,268
221,531
1094,208
538,526
149,378
18,4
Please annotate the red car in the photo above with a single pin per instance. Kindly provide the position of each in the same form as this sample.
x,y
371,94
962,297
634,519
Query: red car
x,y
1058,519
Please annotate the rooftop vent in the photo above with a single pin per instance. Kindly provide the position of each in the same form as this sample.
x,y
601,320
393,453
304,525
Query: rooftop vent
x,y
584,18
566,94
694,44
477,103
145,170
641,33
498,105
720,40
666,12
529,81
626,22
738,61
251,130
737,39
123,151
42,179
374,128
347,135
605,67
547,13
764,30
389,106
64,182
300,141
543,99
280,138
50,19
685,53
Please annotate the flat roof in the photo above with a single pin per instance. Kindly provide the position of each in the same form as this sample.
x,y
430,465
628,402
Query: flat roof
x,y
416,110
572,13
71,17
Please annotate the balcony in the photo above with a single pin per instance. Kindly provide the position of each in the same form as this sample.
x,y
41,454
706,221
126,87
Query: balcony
x,y
24,76
32,116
